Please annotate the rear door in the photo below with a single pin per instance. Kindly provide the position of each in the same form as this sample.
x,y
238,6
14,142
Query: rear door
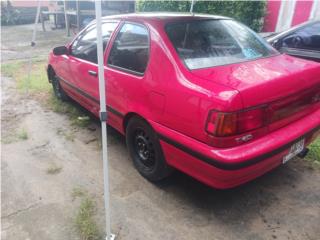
x,y
304,42
126,69
84,67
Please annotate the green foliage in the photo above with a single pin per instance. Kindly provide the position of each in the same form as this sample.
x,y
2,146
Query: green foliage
x,y
251,13
22,134
314,154
9,15
163,5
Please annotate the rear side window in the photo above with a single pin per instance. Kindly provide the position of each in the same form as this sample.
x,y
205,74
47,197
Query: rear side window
x,y
85,46
305,38
130,50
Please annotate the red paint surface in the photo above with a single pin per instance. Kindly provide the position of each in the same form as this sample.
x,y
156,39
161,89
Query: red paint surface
x,y
271,18
220,178
302,12
176,102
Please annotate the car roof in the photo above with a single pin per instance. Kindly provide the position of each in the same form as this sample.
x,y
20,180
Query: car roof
x,y
163,16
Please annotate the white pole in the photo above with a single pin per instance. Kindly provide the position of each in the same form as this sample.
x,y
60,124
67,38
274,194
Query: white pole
x,y
314,9
33,44
35,24
103,118
191,7
66,18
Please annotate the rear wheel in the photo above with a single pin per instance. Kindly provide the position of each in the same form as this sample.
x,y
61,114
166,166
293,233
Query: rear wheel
x,y
145,150
58,90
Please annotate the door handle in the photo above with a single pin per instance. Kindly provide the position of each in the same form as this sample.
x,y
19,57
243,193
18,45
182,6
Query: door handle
x,y
93,73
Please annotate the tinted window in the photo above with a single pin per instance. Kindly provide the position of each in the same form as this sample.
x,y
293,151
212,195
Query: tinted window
x,y
208,43
305,38
130,49
85,46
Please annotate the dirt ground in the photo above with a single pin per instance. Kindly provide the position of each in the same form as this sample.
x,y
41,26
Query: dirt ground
x,y
35,204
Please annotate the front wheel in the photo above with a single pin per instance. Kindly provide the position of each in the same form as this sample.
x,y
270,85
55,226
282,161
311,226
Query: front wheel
x,y
58,90
145,150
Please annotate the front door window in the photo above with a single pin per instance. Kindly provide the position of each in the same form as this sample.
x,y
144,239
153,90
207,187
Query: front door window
x,y
85,46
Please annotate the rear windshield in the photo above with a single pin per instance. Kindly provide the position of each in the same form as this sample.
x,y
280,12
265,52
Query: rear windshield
x,y
209,43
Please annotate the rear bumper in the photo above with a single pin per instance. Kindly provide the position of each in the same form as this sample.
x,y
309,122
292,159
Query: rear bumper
x,y
229,167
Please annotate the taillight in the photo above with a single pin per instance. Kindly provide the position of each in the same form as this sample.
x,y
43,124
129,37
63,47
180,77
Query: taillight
x,y
228,129
222,124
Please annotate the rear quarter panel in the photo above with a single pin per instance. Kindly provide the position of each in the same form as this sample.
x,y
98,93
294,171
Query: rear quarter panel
x,y
188,99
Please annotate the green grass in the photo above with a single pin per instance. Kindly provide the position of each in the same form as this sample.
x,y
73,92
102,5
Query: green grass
x,y
22,134
38,85
84,220
15,136
54,169
18,70
11,69
78,192
314,153
76,116
7,139
67,134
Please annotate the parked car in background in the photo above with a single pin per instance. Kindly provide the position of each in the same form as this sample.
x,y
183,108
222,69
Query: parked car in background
x,y
301,41
202,94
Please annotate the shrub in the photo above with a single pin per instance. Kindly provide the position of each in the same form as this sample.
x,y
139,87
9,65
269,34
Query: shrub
x,y
12,15
251,13
9,15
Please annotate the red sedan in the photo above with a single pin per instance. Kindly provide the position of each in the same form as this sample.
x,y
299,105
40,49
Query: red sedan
x,y
202,94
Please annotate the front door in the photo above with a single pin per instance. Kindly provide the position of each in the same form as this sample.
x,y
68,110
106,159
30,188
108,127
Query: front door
x,y
83,65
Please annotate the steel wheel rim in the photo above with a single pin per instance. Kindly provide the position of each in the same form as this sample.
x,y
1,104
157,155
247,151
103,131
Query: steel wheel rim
x,y
144,149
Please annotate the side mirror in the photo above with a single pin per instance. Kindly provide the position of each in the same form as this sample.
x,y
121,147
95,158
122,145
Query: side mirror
x,y
60,50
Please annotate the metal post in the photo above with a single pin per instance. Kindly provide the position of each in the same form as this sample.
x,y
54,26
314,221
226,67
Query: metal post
x,y
42,22
191,7
103,118
66,19
33,44
78,15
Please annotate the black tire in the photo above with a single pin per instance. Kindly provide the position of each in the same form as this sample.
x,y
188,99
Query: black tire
x,y
58,90
145,150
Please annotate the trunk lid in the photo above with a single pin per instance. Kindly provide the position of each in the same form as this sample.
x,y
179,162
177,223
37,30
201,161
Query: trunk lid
x,y
267,80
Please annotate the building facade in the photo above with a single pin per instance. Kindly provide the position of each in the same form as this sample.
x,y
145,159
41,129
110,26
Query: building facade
x,y
284,14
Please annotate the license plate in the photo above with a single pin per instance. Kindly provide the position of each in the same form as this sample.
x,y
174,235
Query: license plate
x,y
295,149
